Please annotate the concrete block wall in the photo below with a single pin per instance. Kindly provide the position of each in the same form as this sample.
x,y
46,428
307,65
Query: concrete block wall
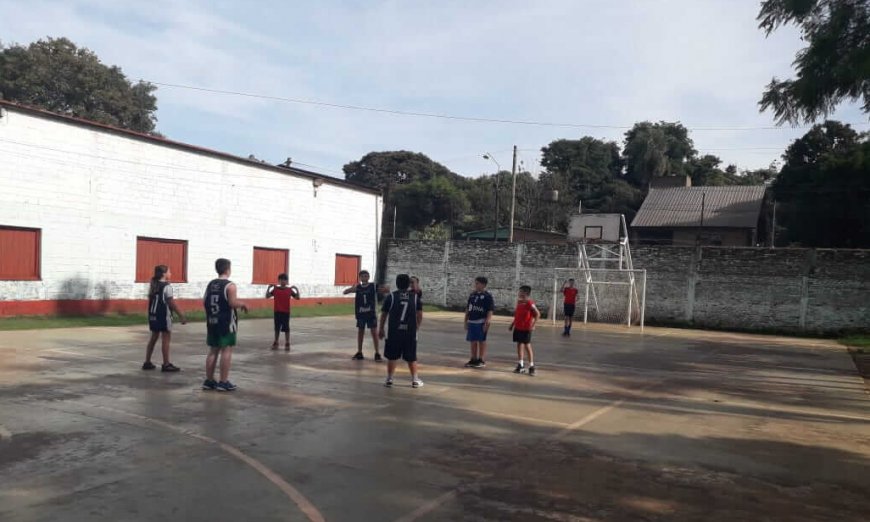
x,y
800,290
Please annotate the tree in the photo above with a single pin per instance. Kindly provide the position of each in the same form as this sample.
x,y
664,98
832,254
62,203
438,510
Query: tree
x,y
656,149
833,67
384,170
587,163
425,203
823,188
57,76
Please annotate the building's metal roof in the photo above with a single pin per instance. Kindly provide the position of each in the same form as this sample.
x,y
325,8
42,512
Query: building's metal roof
x,y
729,207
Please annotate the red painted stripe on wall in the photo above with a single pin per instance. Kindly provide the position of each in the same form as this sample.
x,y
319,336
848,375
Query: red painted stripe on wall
x,y
132,306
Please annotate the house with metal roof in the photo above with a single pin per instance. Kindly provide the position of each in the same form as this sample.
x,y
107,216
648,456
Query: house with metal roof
x,y
729,216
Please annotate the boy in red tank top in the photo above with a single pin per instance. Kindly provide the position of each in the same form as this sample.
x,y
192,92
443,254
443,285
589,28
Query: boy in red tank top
x,y
526,315
282,295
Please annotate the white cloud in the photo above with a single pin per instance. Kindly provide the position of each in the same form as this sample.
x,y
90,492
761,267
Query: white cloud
x,y
596,62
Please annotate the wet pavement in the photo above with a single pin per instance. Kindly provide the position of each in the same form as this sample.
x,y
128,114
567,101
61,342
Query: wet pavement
x,y
668,425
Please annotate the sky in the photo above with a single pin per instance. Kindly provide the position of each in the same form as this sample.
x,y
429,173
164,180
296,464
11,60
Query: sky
x,y
605,64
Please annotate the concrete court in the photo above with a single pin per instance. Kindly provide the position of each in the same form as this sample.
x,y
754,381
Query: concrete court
x,y
669,425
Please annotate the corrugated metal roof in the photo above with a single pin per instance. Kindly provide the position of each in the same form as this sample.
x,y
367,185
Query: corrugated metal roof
x,y
734,207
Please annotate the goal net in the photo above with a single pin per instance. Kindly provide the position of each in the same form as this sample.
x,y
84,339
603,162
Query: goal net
x,y
604,295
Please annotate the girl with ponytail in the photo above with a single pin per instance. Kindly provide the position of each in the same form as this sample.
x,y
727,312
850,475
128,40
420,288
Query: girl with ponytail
x,y
161,305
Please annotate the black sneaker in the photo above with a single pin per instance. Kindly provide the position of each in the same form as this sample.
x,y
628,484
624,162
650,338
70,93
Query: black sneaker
x,y
531,371
209,384
225,386
565,333
480,364
378,357
389,382
169,367
519,369
471,363
358,357
148,366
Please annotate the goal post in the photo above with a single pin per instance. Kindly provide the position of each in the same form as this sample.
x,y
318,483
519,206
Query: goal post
x,y
604,295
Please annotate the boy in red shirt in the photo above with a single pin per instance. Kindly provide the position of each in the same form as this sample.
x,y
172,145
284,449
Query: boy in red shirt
x,y
282,294
569,304
526,315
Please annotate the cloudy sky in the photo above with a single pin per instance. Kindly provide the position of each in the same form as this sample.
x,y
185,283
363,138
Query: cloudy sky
x,y
599,65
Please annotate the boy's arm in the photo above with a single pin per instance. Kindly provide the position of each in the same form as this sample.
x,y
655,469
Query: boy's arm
x,y
488,321
385,311
511,327
349,290
269,292
294,293
233,300
419,318
536,315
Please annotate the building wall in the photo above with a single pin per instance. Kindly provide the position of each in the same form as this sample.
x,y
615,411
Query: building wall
x,y
795,290
92,192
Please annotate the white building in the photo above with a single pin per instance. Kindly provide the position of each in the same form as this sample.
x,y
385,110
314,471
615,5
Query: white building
x,y
87,210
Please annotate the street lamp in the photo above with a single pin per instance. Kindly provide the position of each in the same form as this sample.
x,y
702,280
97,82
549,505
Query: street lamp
x,y
495,228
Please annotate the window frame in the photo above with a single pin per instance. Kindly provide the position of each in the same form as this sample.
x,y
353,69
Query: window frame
x,y
355,276
184,258
38,253
270,280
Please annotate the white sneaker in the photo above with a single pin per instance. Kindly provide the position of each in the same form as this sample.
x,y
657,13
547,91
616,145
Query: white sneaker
x,y
416,383
388,383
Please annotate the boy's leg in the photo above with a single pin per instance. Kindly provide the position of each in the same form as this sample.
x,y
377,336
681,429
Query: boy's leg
x,y
277,335
287,340
226,360
360,336
211,362
481,352
391,368
375,339
149,350
473,351
412,367
531,353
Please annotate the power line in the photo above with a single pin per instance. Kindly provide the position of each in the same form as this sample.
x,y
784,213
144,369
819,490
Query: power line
x,y
476,119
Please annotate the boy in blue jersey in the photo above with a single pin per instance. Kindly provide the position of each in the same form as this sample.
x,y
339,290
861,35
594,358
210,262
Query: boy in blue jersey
x,y
404,310
222,323
478,315
365,309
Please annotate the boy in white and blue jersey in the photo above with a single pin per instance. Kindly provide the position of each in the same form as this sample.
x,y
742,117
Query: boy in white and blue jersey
x,y
478,315
365,309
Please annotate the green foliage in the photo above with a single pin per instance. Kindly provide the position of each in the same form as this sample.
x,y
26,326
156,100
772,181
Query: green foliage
x,y
833,67
823,189
57,76
384,170
424,203
656,149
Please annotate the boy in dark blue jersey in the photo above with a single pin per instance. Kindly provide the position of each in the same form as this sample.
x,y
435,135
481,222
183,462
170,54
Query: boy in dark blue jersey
x,y
478,315
404,310
222,323
365,309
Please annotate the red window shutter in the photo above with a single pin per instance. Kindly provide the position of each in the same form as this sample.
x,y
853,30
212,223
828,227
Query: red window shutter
x,y
268,263
151,252
347,269
19,254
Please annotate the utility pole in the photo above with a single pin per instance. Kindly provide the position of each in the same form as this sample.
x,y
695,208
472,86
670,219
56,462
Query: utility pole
x,y
773,227
395,215
701,230
513,193
495,225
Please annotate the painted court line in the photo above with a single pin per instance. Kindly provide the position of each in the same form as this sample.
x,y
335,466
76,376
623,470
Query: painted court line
x,y
4,433
297,497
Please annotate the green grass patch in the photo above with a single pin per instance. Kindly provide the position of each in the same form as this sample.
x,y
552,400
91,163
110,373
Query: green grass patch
x,y
861,342
44,322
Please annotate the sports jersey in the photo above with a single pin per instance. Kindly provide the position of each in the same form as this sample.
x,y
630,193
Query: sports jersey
x,y
402,307
570,294
366,301
282,299
523,315
159,317
220,317
479,305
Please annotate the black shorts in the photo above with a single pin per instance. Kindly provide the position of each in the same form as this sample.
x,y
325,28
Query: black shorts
x,y
282,321
395,349
522,336
569,310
